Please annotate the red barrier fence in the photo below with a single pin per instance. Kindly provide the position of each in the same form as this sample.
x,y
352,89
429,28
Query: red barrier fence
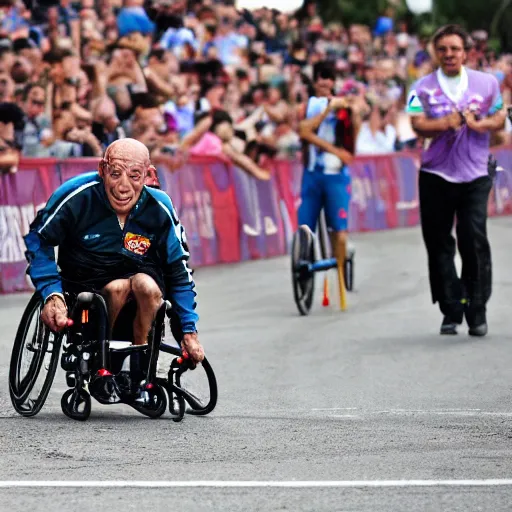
x,y
228,215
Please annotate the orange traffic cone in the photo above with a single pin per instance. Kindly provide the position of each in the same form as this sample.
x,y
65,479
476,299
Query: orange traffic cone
x,y
325,301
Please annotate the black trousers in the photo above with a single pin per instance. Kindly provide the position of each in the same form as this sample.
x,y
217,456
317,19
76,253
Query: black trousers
x,y
442,203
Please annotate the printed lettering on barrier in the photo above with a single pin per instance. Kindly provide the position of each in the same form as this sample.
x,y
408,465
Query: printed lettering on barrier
x,y
257,204
196,215
21,196
219,181
363,204
251,234
386,193
170,183
14,224
408,206
268,199
285,175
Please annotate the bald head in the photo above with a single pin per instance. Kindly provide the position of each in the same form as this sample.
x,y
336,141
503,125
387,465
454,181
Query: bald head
x,y
128,150
124,168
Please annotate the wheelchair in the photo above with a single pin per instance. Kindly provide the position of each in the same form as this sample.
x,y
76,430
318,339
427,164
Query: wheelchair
x,y
305,263
110,371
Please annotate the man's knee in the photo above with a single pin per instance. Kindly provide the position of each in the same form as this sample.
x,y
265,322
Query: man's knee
x,y
120,288
145,288
341,237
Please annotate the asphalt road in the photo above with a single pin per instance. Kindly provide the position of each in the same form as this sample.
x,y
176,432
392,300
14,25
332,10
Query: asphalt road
x,y
372,394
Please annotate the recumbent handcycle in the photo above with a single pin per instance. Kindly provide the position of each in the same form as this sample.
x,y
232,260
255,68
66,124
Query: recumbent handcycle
x,y
109,371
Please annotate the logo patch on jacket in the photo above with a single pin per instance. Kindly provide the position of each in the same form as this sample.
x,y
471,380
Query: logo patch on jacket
x,y
136,243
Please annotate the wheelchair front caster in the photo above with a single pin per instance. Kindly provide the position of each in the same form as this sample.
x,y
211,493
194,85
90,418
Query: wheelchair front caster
x,y
151,400
177,407
76,404
177,403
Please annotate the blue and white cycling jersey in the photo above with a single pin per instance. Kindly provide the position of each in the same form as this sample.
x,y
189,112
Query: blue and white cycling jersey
x,y
319,160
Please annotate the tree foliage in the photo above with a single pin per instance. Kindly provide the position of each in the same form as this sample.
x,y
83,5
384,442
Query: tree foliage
x,y
494,16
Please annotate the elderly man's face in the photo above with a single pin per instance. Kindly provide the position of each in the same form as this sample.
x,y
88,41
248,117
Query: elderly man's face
x,y
124,171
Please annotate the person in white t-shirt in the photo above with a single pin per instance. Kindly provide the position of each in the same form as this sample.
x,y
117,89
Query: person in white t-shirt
x,y
377,135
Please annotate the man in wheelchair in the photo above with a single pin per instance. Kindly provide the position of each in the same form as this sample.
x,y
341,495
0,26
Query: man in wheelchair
x,y
119,238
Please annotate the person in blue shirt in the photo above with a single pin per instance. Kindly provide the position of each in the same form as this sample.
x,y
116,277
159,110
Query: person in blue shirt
x,y
118,237
328,133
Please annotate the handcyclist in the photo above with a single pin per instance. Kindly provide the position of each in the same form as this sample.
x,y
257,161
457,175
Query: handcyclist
x,y
328,133
118,237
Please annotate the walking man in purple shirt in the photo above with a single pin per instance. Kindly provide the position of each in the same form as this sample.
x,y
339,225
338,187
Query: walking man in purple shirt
x,y
457,109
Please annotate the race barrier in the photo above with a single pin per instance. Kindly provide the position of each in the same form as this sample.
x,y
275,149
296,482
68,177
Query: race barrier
x,y
229,216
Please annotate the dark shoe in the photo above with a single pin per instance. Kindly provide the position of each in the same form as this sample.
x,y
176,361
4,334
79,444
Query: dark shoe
x,y
103,387
477,321
478,330
448,326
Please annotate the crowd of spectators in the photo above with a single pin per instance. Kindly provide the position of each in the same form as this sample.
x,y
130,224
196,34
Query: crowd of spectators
x,y
197,77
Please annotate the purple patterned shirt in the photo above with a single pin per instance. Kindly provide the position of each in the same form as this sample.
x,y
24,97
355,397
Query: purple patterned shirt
x,y
460,155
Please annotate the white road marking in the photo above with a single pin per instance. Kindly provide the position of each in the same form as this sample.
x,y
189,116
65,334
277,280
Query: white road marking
x,y
449,412
410,412
337,409
253,483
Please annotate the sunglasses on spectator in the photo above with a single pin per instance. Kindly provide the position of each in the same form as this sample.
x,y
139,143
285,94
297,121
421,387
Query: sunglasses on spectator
x,y
38,103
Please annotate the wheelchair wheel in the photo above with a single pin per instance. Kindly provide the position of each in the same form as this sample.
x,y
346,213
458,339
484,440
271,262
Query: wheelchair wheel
x,y
194,384
176,401
156,405
76,404
35,348
303,251
198,387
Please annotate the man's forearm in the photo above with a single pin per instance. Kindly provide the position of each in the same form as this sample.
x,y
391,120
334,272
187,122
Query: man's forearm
x,y
341,153
181,293
311,124
42,267
429,127
495,122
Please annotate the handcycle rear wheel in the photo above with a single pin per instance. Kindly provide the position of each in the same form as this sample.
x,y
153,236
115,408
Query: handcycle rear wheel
x,y
40,344
303,251
196,405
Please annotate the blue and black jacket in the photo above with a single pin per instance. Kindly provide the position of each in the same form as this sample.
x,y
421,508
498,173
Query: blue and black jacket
x,y
93,249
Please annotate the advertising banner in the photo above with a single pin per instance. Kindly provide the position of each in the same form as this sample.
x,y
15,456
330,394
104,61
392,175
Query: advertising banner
x,y
228,215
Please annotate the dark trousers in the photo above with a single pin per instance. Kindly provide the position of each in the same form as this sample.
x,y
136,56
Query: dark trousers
x,y
441,202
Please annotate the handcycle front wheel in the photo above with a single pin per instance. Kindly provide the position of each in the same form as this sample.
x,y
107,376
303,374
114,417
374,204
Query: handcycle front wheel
x,y
36,348
303,280
192,383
